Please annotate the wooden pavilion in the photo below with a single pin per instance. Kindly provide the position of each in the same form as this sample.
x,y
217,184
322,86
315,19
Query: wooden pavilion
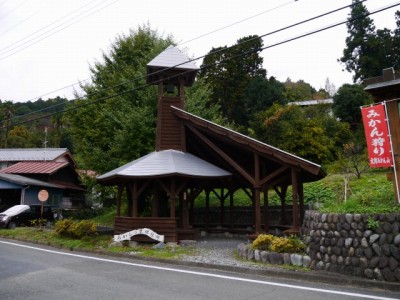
x,y
194,155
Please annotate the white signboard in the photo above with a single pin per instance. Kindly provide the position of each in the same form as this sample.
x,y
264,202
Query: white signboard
x,y
127,236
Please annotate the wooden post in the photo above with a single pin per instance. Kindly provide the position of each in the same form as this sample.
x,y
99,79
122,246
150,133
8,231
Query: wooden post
x,y
135,200
266,218
296,226
119,195
207,216
172,199
257,189
231,219
392,108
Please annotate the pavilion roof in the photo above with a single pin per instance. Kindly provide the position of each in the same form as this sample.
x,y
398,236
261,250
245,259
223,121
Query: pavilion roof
x,y
163,164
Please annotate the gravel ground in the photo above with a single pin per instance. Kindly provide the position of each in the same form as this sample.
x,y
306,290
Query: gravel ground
x,y
216,250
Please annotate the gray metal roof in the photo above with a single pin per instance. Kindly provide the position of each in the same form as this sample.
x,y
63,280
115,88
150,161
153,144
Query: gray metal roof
x,y
382,84
32,154
172,57
171,65
23,181
312,102
166,163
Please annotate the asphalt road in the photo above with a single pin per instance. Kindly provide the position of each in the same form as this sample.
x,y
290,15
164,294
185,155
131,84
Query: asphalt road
x,y
34,272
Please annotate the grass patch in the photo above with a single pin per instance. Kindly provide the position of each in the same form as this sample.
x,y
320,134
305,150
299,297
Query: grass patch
x,y
89,243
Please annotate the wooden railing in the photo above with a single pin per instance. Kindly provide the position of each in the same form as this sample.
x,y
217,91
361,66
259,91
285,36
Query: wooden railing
x,y
162,226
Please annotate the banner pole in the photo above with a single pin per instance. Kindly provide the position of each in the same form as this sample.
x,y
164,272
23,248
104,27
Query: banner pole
x,y
393,158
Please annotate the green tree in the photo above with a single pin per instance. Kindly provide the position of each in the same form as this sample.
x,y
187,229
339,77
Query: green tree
x,y
18,137
368,51
115,121
298,91
228,72
313,135
260,94
347,103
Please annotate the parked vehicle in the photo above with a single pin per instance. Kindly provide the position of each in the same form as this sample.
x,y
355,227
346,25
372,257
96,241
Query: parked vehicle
x,y
22,215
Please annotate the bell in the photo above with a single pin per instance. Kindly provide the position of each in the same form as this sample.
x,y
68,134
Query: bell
x,y
170,88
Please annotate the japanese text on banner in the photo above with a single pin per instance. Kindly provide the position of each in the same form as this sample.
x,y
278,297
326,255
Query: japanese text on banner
x,y
377,136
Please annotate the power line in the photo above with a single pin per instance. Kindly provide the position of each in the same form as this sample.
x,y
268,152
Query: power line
x,y
14,9
242,54
238,22
225,49
50,31
21,22
182,43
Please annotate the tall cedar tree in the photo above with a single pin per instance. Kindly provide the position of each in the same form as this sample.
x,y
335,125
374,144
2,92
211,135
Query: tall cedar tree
x,y
228,72
368,51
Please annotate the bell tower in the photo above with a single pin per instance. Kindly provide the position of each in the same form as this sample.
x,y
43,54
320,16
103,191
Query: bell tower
x,y
171,70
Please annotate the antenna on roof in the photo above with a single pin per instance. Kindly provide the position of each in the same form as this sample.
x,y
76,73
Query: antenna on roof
x,y
45,143
45,137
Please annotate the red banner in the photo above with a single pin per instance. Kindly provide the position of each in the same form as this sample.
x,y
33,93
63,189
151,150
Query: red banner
x,y
377,135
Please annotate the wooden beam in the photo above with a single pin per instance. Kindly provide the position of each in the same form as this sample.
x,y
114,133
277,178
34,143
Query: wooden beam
x,y
222,154
273,175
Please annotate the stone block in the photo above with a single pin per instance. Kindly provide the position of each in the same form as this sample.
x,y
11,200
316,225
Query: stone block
x,y
349,218
296,259
369,273
373,263
276,258
383,262
286,258
264,256
373,238
257,255
388,275
250,254
397,240
395,252
393,263
377,249
306,261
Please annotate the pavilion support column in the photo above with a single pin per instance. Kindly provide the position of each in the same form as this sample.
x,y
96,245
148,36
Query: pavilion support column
x,y
231,208
207,216
172,199
257,219
257,194
266,208
119,195
134,205
185,212
282,196
155,203
295,189
301,200
222,207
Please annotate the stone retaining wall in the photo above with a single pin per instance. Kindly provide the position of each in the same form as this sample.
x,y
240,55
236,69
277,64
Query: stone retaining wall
x,y
350,245
246,251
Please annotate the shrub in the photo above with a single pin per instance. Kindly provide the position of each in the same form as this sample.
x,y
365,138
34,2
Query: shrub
x,y
278,244
263,242
75,229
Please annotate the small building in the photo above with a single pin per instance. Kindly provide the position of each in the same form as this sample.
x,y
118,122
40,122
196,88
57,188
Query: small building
x,y
194,156
24,172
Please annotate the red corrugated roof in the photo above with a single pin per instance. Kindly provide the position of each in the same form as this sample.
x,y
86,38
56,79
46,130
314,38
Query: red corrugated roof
x,y
34,168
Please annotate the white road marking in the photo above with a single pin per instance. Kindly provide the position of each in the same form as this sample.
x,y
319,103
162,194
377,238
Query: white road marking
x,y
357,295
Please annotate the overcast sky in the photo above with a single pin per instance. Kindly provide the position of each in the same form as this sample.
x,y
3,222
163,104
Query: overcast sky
x,y
46,45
